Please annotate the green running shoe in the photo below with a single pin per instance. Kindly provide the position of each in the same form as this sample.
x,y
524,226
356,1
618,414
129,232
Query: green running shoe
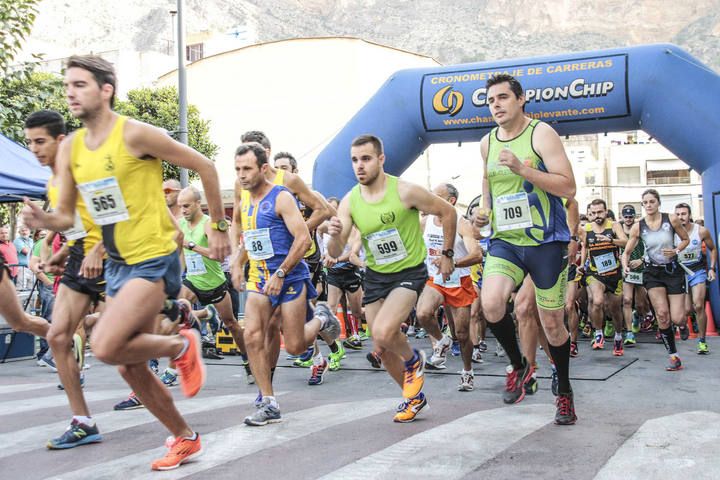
x,y
635,323
702,348
630,339
609,329
303,363
334,363
341,349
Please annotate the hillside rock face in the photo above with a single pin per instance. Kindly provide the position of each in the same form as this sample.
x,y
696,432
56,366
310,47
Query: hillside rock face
x,y
454,31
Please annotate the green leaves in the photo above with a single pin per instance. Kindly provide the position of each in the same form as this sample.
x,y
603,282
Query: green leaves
x,y
159,107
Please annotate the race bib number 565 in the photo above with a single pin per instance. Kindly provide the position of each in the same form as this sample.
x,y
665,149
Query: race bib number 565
x,y
104,200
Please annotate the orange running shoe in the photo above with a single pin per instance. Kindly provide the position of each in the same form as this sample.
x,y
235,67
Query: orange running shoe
x,y
180,450
191,366
414,376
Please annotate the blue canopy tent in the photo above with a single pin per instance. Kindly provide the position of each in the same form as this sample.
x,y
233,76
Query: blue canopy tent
x,y
20,173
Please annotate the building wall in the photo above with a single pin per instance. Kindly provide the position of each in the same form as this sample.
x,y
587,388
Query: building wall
x,y
299,92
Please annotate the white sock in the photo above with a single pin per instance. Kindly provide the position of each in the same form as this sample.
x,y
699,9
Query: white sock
x,y
318,358
193,436
618,336
471,372
271,401
186,345
84,420
599,332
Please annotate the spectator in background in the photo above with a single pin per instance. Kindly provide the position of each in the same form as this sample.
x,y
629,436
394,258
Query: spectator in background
x,y
46,284
8,250
24,246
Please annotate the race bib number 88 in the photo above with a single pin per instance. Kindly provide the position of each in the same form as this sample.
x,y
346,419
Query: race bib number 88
x,y
258,244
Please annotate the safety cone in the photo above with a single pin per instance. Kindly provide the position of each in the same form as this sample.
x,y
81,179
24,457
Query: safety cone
x,y
711,330
341,318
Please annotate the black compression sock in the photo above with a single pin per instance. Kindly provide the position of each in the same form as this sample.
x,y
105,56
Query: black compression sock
x,y
668,338
561,357
504,332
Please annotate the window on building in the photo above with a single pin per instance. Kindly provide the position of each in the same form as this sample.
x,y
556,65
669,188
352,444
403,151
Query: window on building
x,y
194,52
667,177
628,175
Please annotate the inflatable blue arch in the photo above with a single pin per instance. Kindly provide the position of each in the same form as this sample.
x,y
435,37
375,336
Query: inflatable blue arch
x,y
660,89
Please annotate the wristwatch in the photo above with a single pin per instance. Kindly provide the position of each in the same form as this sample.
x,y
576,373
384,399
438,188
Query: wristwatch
x,y
191,245
221,225
575,238
280,273
450,253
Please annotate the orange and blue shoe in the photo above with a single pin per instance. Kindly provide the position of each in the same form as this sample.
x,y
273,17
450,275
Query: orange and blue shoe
x,y
191,366
675,364
618,350
409,409
180,450
598,342
414,375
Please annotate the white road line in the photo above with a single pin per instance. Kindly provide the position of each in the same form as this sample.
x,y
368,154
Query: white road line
x,y
35,437
672,447
452,450
26,387
13,407
238,441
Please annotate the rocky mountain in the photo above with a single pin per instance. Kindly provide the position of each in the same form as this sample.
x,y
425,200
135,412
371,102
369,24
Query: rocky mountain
x,y
452,31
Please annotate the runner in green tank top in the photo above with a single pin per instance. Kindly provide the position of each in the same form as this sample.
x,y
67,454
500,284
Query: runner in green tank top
x,y
386,212
205,282
527,173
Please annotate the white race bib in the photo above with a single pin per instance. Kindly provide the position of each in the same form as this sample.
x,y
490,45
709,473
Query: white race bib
x,y
104,200
386,246
512,212
453,282
688,257
77,231
258,244
605,262
194,264
636,278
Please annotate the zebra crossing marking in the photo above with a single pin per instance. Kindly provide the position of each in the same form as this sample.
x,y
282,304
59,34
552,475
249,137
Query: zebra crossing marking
x,y
238,441
465,444
676,446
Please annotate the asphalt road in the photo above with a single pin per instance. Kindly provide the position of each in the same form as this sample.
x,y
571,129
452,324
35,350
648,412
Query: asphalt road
x,y
635,421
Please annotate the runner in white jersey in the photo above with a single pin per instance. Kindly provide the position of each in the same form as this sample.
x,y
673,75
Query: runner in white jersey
x,y
697,272
457,293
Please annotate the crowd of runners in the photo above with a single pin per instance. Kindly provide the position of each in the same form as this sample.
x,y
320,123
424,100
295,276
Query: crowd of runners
x,y
142,274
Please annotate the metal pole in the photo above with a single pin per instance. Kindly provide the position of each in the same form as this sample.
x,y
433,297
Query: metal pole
x,y
182,87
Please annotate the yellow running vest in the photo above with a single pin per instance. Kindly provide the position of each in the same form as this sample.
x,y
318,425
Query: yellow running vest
x,y
124,196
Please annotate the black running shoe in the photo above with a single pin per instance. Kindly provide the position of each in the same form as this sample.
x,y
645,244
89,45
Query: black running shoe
x,y
565,413
374,360
684,332
77,434
515,382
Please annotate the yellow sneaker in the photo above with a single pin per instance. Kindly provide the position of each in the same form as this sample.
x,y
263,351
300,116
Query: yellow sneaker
x,y
408,410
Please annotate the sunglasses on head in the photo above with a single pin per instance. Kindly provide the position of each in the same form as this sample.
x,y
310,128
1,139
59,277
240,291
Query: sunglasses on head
x,y
170,190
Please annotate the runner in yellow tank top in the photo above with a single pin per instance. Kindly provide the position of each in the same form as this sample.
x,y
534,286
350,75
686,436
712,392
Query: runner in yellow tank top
x,y
115,165
81,284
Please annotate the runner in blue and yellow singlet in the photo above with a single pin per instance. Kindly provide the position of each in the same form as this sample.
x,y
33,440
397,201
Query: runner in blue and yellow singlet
x,y
275,239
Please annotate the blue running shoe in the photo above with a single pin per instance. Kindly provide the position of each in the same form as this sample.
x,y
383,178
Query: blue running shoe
x,y
169,377
82,382
77,434
258,400
131,403
47,361
455,349
154,366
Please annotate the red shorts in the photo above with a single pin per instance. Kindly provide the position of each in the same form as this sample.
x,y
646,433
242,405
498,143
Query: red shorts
x,y
462,296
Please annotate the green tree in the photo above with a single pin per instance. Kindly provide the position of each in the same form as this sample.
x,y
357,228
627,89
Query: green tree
x,y
159,107
16,21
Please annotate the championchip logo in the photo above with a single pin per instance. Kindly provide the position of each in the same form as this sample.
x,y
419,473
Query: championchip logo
x,y
446,100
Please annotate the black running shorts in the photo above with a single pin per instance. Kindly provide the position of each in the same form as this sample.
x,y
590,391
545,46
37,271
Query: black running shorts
x,y
92,287
208,297
671,277
379,285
